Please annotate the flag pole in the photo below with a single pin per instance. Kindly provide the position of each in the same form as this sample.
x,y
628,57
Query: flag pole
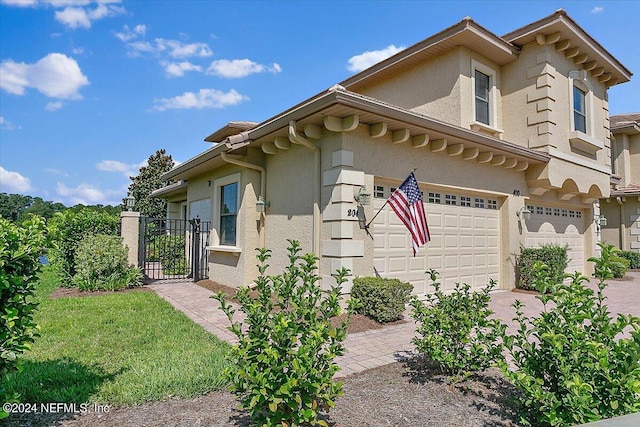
x,y
366,227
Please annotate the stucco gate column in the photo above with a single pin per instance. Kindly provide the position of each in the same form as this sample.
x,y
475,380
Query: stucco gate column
x,y
130,233
339,218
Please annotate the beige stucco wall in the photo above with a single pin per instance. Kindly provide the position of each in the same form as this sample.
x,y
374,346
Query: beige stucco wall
x,y
623,222
633,142
290,185
431,88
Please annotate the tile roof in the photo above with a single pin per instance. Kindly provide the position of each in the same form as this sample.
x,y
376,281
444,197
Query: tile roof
x,y
622,120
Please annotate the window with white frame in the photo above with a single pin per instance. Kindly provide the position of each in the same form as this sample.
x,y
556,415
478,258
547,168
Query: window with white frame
x,y
484,94
579,110
226,206
228,213
580,93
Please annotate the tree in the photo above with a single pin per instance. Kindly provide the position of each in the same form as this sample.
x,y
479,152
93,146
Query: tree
x,y
149,180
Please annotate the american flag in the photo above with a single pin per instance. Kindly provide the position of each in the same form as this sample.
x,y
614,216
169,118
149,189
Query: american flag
x,y
406,202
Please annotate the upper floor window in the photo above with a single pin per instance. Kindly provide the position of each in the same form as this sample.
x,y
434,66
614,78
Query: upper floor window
x,y
484,103
579,110
482,89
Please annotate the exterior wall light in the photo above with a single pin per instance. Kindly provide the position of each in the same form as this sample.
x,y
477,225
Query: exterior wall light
x,y
363,197
130,201
524,213
601,221
261,205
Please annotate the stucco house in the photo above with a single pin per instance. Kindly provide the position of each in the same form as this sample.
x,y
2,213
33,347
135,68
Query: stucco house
x,y
509,137
622,208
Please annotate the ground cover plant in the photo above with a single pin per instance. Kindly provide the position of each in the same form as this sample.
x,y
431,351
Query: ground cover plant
x,y
572,363
455,330
20,249
284,363
116,349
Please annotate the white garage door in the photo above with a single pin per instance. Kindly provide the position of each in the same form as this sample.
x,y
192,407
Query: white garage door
x,y
464,244
200,209
562,226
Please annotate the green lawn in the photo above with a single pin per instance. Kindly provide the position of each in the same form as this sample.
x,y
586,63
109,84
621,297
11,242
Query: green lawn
x,y
117,349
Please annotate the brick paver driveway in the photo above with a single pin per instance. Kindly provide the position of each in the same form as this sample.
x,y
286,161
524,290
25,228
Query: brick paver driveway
x,y
369,349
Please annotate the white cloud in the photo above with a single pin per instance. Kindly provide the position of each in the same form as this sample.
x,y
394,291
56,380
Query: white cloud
x,y
56,76
78,50
74,17
53,106
173,48
237,68
87,194
7,125
13,182
124,168
128,34
177,69
20,3
205,98
56,172
597,9
368,58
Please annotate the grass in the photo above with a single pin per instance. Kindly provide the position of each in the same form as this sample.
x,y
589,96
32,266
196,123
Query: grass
x,y
117,349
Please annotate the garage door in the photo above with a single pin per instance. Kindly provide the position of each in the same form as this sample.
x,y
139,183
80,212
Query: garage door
x,y
562,226
464,244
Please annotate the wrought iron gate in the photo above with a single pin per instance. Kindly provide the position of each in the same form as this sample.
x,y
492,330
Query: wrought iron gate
x,y
174,248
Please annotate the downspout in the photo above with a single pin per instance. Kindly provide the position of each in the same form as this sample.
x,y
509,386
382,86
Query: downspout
x,y
296,138
623,228
263,185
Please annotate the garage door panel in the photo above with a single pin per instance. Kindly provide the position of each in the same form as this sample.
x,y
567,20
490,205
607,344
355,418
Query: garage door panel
x,y
397,241
397,264
466,221
450,221
544,227
464,246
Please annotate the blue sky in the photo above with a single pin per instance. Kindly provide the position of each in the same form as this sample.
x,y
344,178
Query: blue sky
x,y
90,89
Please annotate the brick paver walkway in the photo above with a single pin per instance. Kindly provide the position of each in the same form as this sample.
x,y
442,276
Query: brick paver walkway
x,y
379,347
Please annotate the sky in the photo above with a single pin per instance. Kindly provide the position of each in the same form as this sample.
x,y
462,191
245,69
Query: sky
x,y
90,89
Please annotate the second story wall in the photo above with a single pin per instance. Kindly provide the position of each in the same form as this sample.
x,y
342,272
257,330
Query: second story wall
x,y
431,88
539,100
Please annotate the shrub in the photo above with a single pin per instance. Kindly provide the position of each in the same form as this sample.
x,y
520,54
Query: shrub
x,y
170,251
633,257
454,330
284,362
102,265
553,256
68,228
381,299
20,250
570,363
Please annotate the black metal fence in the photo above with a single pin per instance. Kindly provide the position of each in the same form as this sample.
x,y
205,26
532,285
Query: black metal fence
x,y
174,248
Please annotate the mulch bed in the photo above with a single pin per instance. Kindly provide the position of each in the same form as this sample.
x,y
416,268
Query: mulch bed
x,y
357,322
403,394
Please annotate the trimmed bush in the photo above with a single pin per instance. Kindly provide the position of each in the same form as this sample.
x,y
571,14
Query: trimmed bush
x,y
68,228
381,299
284,362
454,330
102,265
553,256
633,257
20,250
571,363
